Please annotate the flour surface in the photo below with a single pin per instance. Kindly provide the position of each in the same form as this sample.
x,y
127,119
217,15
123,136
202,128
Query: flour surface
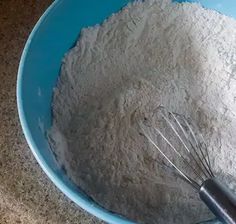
x,y
150,53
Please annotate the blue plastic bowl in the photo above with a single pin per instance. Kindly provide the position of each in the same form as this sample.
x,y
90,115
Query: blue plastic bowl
x,y
54,34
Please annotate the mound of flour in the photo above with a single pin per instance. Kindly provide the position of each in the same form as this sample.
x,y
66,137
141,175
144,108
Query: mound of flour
x,y
150,53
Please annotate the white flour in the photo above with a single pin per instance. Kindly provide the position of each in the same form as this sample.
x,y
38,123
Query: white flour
x,y
150,53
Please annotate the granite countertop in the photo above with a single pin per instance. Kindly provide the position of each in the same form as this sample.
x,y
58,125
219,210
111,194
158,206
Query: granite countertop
x,y
26,193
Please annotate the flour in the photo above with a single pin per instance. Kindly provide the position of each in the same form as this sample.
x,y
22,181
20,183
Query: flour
x,y
150,53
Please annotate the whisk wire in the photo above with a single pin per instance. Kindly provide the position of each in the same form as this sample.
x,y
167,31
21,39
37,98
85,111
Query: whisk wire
x,y
179,154
199,164
184,144
208,157
193,183
206,165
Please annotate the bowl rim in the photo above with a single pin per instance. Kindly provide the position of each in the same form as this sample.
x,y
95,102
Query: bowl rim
x,y
87,205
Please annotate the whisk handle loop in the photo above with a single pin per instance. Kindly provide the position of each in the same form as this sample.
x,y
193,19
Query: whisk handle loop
x,y
219,199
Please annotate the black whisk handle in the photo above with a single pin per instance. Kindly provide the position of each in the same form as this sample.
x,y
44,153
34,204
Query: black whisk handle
x,y
220,200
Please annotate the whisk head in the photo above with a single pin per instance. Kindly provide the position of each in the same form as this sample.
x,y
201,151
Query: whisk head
x,y
181,145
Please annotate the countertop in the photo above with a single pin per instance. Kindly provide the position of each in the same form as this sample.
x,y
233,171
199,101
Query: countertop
x,y
26,193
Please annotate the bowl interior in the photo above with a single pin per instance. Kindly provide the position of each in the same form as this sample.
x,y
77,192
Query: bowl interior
x,y
54,34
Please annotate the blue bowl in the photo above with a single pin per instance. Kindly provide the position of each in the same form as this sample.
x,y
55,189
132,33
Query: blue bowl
x,y
54,34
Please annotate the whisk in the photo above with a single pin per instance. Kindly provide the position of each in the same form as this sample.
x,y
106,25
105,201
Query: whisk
x,y
184,148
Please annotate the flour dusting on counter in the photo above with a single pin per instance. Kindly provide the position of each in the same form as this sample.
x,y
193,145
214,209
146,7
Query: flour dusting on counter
x,y
150,53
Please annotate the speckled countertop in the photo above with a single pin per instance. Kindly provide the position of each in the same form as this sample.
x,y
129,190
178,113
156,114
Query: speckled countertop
x,y
26,193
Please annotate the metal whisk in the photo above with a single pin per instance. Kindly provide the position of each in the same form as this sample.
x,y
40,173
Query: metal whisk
x,y
179,143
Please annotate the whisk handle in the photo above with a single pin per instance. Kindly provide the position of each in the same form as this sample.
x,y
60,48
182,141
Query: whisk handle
x,y
220,200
